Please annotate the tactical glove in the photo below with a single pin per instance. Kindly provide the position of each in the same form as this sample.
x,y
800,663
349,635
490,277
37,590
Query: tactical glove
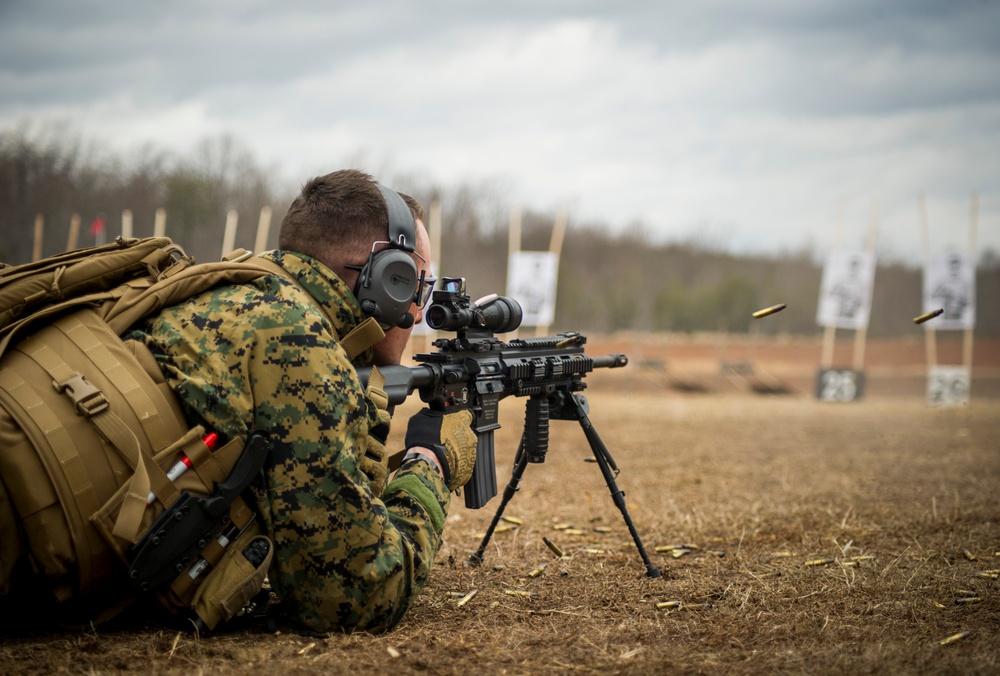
x,y
375,460
450,437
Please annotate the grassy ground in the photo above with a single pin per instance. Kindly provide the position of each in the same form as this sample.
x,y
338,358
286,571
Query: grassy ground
x,y
807,537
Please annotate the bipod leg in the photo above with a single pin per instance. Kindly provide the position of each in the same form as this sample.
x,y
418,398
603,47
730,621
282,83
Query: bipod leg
x,y
606,462
520,462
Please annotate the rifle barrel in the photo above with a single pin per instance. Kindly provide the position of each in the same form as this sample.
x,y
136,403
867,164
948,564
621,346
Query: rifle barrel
x,y
610,361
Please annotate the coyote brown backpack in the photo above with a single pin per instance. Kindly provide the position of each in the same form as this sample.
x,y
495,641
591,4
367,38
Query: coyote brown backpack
x,y
89,431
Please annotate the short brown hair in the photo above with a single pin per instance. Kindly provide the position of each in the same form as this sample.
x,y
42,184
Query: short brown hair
x,y
337,217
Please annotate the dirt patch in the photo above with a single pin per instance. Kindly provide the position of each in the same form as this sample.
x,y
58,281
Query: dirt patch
x,y
792,536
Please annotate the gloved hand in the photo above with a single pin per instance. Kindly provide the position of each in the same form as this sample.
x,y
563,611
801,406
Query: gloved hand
x,y
375,460
450,437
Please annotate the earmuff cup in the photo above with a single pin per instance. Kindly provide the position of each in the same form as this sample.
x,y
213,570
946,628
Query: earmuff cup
x,y
388,283
388,286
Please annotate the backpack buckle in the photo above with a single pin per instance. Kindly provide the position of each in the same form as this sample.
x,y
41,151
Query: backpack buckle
x,y
179,261
87,399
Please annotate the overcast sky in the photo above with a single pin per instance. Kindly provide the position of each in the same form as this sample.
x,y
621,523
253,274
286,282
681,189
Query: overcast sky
x,y
744,123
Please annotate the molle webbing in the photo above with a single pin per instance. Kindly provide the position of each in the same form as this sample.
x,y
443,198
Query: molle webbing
x,y
88,424
58,407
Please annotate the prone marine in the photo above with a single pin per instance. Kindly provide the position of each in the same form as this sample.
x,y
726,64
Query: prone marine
x,y
275,358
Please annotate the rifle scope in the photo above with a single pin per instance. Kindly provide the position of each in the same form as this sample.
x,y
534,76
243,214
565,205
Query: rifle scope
x,y
451,310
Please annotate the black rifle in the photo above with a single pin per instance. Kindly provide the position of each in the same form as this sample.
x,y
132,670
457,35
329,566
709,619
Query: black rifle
x,y
475,370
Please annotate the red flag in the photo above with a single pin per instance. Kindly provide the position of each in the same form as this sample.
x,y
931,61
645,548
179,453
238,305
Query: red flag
x,y
97,226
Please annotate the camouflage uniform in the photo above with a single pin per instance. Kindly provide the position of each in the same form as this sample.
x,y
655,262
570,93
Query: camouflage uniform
x,y
262,355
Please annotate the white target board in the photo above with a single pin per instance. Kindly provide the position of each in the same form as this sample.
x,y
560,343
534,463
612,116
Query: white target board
x,y
531,281
950,285
948,385
845,297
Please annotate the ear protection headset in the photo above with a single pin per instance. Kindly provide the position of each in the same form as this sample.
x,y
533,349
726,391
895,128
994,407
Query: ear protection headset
x,y
390,282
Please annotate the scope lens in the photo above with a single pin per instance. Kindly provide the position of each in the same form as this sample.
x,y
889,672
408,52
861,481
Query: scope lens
x,y
438,317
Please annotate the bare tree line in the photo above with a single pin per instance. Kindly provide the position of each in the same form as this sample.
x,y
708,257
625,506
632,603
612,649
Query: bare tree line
x,y
607,282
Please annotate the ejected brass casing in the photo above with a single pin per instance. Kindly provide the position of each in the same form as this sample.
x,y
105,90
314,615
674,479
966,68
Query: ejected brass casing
x,y
553,546
468,597
929,315
769,310
954,637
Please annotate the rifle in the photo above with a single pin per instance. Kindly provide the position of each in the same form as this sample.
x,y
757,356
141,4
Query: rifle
x,y
475,370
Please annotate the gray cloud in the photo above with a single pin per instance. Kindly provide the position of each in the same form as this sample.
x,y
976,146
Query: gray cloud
x,y
753,119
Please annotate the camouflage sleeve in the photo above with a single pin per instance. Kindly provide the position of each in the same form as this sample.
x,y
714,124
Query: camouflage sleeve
x,y
344,559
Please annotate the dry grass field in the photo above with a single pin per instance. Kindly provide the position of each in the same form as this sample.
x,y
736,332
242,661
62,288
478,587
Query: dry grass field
x,y
794,536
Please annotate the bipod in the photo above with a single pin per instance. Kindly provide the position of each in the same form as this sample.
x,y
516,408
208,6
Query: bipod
x,y
540,408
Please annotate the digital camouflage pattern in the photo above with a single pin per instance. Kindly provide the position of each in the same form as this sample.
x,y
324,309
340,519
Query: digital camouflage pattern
x,y
263,356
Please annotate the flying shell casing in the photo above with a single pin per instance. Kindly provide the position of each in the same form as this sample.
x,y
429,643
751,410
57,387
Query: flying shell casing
x,y
968,599
928,316
769,310
553,546
512,519
568,342
669,604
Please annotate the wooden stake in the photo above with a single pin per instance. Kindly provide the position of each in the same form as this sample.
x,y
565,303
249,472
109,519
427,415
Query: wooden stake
x,y
514,231
973,233
160,223
74,232
421,341
36,251
513,245
861,335
127,224
830,332
434,227
555,246
558,232
930,337
263,229
829,339
229,236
